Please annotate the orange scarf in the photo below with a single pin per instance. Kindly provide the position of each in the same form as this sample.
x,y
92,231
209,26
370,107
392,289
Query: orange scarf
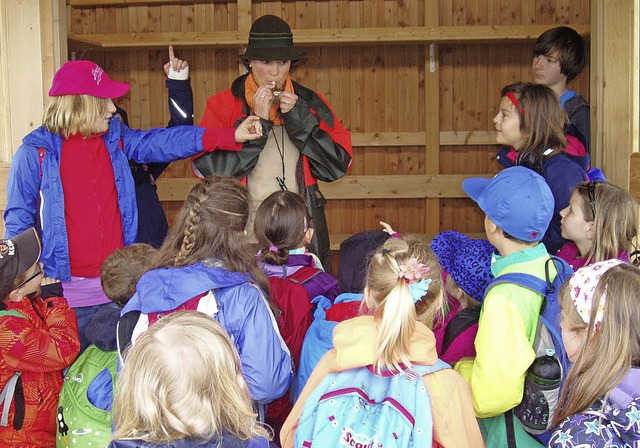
x,y
250,89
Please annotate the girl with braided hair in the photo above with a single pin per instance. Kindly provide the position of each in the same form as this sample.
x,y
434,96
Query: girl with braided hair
x,y
207,264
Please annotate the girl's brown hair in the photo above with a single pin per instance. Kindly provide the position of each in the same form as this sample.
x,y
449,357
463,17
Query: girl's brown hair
x,y
211,225
608,354
615,221
282,220
542,121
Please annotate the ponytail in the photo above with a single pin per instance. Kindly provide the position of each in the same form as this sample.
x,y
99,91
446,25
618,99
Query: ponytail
x,y
403,283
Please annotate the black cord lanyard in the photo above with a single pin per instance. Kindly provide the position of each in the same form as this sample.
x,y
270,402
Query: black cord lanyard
x,y
281,182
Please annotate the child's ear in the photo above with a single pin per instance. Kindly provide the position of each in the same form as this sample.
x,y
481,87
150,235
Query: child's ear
x,y
15,296
308,236
591,230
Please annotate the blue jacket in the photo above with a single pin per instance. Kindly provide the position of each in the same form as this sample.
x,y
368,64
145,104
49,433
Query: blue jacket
x,y
319,338
34,190
243,313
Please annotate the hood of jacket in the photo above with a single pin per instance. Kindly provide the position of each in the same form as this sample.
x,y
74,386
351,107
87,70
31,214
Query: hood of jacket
x,y
42,138
167,288
624,412
355,344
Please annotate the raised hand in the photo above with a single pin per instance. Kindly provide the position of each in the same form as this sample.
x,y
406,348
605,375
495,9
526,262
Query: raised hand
x,y
175,66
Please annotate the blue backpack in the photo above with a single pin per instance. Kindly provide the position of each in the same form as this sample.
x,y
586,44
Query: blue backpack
x,y
539,403
359,408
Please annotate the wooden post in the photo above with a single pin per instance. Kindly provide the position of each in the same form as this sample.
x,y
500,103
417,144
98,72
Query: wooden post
x,y
614,87
432,112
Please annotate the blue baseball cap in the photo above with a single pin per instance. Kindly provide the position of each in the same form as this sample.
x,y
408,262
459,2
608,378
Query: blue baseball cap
x,y
518,200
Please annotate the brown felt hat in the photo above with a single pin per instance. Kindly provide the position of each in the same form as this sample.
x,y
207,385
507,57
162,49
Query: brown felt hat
x,y
270,39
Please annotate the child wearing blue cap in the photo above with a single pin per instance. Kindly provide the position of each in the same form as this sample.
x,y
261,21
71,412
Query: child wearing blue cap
x,y
518,205
466,271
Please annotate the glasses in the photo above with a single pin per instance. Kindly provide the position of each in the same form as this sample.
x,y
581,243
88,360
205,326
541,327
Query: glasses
x,y
591,193
34,275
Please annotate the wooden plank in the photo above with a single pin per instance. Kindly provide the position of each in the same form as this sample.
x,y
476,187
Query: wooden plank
x,y
355,187
326,36
85,3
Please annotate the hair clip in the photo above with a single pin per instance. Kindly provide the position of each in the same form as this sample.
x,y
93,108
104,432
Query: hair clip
x,y
414,274
384,252
273,249
413,271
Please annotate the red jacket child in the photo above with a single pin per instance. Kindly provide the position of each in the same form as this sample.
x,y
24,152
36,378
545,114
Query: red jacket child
x,y
38,338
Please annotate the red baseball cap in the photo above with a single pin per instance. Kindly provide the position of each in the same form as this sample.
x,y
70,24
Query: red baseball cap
x,y
86,78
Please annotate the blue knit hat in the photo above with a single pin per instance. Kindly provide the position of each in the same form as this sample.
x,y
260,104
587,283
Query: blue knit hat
x,y
466,260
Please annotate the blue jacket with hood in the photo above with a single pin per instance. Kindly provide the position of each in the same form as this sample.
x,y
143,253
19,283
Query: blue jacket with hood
x,y
34,191
243,313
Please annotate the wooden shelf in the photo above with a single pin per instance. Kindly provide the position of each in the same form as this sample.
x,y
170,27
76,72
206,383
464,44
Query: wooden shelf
x,y
327,36
356,187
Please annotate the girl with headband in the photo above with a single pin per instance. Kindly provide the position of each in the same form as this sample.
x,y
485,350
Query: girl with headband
x,y
600,401
531,121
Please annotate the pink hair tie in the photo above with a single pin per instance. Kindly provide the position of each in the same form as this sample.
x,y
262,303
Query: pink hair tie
x,y
273,249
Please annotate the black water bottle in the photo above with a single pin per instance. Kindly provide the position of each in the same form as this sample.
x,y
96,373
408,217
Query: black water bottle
x,y
546,369
541,392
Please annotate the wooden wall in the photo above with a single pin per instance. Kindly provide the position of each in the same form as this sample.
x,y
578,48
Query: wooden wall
x,y
418,130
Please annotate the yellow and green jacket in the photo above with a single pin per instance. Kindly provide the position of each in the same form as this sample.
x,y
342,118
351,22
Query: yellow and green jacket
x,y
504,352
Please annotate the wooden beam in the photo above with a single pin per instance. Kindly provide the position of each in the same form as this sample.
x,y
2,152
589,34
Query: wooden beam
x,y
81,3
316,37
447,138
355,187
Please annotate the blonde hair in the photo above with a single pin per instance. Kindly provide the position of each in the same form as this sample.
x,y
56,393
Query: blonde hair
x,y
608,355
66,115
388,295
182,379
615,221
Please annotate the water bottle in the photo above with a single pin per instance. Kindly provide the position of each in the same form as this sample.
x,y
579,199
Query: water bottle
x,y
546,369
541,393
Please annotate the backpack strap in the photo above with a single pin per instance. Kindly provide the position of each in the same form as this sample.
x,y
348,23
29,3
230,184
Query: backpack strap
x,y
426,370
458,324
304,274
6,397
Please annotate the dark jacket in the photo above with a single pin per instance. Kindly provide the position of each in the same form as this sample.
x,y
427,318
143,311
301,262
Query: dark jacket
x,y
225,440
313,128
614,422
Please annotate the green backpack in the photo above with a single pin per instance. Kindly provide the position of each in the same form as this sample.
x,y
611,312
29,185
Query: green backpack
x,y
80,423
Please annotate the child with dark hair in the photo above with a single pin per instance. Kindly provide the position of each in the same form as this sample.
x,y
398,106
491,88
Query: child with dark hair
x,y
39,340
558,58
531,121
466,268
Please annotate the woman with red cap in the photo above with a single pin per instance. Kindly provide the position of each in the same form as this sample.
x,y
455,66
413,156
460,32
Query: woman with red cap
x,y
303,140
70,178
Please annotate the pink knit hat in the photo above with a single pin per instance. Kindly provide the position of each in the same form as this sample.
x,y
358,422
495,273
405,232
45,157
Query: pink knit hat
x,y
86,78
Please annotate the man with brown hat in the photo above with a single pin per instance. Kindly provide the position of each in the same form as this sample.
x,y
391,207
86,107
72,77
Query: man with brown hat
x,y
302,141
